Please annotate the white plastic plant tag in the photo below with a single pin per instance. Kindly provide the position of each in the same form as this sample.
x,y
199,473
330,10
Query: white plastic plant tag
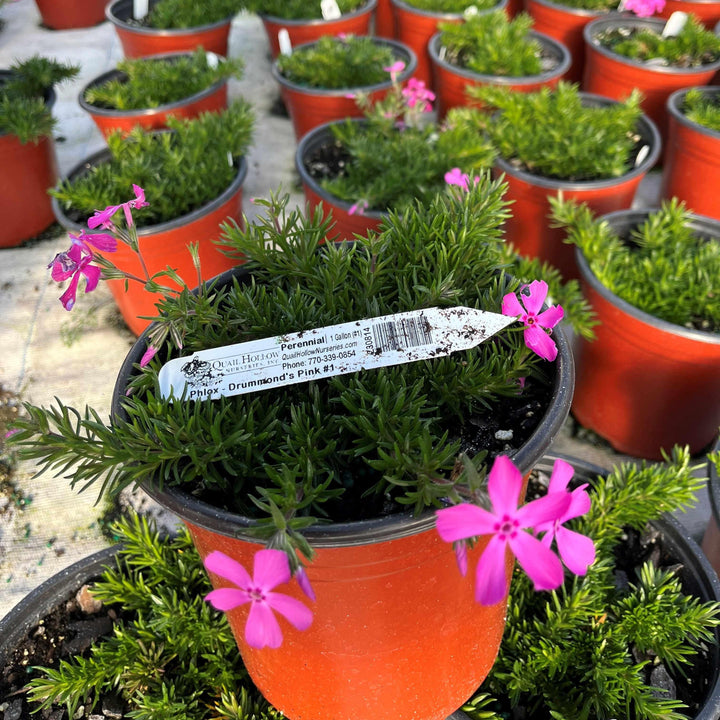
x,y
328,351
470,11
642,154
284,42
140,9
212,60
230,158
330,9
676,22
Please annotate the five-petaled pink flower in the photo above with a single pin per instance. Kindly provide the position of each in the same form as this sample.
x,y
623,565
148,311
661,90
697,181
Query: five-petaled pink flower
x,y
72,264
577,551
415,93
536,322
395,69
457,177
103,218
507,526
643,8
270,568
358,208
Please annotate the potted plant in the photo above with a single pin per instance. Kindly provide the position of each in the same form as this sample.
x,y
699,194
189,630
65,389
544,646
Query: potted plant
x,y
146,91
489,49
319,81
416,21
307,22
560,140
623,53
193,177
692,150
27,155
335,465
650,378
70,14
173,26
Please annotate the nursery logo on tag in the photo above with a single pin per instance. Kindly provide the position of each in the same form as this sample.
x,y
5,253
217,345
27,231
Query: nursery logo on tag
x,y
328,351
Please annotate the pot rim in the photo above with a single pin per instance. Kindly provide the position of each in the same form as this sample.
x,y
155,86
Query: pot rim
x,y
148,230
112,8
714,484
616,19
674,103
401,52
546,41
644,124
581,12
367,7
701,222
103,78
363,532
501,4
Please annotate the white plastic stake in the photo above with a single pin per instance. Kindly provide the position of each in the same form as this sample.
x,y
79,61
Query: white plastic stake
x,y
330,9
284,42
213,60
676,22
140,9
642,154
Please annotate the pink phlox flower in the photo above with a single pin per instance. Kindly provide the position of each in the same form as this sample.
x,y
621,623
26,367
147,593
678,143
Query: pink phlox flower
x,y
507,525
72,264
270,568
415,93
577,551
148,355
459,178
536,322
100,241
343,36
643,8
395,69
103,218
358,208
11,432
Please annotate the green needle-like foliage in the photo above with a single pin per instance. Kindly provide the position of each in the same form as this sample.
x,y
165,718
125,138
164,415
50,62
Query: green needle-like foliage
x,y
334,63
663,268
178,14
450,6
23,111
490,44
180,171
299,9
584,652
151,82
702,108
694,45
552,133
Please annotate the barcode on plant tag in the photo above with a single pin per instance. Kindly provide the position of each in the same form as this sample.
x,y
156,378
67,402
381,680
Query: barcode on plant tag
x,y
401,334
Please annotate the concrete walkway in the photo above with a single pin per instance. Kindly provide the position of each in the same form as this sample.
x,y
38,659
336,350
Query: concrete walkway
x,y
53,526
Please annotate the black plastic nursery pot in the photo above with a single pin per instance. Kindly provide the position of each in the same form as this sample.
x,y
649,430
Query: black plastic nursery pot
x,y
711,540
390,602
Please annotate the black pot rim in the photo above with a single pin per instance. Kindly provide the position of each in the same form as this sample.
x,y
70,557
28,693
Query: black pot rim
x,y
367,7
674,107
401,52
714,485
443,15
616,19
645,126
104,155
114,74
111,14
560,7
707,224
548,42
364,532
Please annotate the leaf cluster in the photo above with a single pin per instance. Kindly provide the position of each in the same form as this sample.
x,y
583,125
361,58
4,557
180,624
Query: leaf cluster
x,y
554,133
491,44
180,171
151,82
450,6
702,108
299,9
179,14
693,46
23,96
586,652
663,267
172,656
335,63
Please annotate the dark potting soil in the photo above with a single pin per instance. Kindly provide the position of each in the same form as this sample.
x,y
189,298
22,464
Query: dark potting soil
x,y
327,161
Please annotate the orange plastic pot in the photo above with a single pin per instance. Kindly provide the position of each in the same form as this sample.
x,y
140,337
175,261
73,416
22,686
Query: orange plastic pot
x,y
166,244
645,384
415,27
451,82
707,11
396,632
306,31
691,171
211,99
615,76
346,224
69,14
384,20
528,226
565,24
309,107
139,41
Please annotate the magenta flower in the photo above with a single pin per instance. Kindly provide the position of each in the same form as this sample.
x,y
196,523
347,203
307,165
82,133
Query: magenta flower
x,y
459,178
270,568
507,525
415,93
148,355
536,322
643,8
72,264
100,241
577,551
395,69
103,218
358,208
